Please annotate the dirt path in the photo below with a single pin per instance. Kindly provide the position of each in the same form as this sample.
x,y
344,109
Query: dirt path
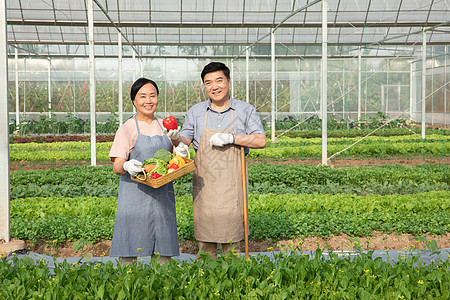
x,y
378,241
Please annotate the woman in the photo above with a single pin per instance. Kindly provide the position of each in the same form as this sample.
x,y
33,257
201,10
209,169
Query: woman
x,y
145,219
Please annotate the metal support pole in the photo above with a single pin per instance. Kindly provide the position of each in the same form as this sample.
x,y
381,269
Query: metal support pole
x,y
120,91
49,77
424,73
74,85
16,60
411,78
187,86
359,83
432,88
24,85
445,89
247,75
232,76
343,91
272,59
133,61
92,81
324,81
4,129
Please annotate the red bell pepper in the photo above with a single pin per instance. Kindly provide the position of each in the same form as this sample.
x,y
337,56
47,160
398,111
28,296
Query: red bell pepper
x,y
155,175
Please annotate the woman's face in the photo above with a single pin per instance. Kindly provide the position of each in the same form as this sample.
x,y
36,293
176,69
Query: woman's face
x,y
146,101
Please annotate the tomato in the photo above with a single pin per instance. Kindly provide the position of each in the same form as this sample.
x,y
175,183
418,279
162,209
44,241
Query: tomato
x,y
170,123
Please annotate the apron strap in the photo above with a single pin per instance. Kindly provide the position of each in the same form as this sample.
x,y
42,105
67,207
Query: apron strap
x,y
135,118
162,130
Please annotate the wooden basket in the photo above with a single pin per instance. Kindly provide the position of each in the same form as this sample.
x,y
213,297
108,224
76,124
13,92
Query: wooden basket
x,y
158,182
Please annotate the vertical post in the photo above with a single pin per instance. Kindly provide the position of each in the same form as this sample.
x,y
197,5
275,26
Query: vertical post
x,y
92,81
300,110
432,88
411,78
74,83
272,59
16,60
120,91
232,76
165,87
445,89
359,83
133,61
324,81
187,86
4,129
49,77
424,73
24,85
247,75
343,91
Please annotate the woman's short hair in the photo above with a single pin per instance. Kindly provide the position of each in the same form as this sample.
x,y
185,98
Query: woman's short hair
x,y
140,83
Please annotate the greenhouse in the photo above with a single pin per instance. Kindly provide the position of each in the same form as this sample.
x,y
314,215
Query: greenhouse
x,y
349,198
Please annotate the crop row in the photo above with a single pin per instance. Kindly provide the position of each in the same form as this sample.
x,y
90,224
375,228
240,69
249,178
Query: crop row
x,y
39,207
81,181
285,276
286,148
270,216
275,226
342,133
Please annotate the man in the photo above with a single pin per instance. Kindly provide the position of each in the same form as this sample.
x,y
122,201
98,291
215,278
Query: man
x,y
217,129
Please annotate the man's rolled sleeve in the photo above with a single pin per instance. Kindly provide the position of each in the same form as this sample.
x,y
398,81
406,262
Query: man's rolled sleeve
x,y
254,123
188,127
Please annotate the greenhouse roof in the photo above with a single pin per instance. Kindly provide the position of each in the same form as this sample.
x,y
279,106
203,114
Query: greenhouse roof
x,y
223,26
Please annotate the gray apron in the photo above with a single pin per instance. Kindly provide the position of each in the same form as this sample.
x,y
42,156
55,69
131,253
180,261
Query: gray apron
x,y
217,190
145,217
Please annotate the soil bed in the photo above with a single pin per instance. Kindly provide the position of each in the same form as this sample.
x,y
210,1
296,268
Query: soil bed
x,y
351,162
378,241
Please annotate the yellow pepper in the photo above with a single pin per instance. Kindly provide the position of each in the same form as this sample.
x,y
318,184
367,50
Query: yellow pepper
x,y
178,160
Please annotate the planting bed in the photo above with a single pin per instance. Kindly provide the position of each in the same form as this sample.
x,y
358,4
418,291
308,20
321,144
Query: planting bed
x,y
390,193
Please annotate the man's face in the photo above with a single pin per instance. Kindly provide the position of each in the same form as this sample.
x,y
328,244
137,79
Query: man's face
x,y
217,86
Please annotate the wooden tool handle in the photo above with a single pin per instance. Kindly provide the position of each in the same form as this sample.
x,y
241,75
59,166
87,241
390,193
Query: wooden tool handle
x,y
244,191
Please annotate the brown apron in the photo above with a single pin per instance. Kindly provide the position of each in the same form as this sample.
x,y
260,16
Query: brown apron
x,y
217,190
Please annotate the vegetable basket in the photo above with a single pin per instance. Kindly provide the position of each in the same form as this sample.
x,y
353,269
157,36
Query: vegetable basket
x,y
158,182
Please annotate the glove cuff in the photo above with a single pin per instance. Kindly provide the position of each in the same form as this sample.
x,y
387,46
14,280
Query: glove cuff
x,y
232,134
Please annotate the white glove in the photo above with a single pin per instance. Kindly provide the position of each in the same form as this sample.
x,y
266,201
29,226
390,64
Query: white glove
x,y
134,167
221,139
182,149
173,134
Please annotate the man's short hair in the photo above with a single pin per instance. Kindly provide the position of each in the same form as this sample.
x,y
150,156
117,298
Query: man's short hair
x,y
214,67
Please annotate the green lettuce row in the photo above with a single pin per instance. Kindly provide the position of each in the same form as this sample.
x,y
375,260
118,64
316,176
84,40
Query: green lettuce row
x,y
283,276
347,141
377,147
276,226
183,189
383,150
272,174
40,207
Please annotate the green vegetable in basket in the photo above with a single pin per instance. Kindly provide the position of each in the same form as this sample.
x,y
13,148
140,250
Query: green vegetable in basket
x,y
160,165
163,155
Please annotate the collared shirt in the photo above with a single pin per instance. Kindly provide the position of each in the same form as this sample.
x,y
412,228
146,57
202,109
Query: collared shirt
x,y
245,120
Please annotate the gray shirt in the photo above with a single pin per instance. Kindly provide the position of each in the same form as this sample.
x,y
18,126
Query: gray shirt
x,y
245,120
